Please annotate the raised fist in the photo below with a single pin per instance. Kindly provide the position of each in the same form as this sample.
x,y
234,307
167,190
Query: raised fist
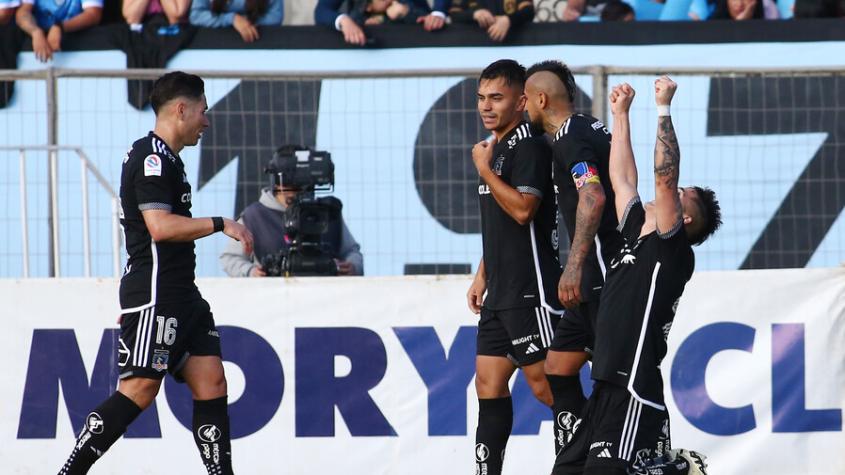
x,y
664,89
621,98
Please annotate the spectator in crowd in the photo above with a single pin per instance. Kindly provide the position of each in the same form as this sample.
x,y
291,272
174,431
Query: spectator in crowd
x,y
745,10
243,15
136,11
349,16
7,10
617,10
575,9
378,12
265,219
819,8
46,21
497,17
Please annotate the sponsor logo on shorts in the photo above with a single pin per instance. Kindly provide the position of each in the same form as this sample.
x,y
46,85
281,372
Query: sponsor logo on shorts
x,y
209,433
94,423
604,454
214,333
122,353
525,339
160,359
532,348
482,453
600,445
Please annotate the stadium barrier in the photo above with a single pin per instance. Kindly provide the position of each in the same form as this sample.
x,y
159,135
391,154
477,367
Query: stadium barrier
x,y
766,139
375,376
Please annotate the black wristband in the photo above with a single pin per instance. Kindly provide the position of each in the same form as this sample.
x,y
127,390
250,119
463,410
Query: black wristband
x,y
218,224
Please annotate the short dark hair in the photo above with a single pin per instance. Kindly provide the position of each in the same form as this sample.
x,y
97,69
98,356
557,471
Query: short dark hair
x,y
711,212
173,85
561,71
512,72
616,10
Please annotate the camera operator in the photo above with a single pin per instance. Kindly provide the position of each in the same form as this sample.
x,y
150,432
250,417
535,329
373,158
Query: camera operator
x,y
266,217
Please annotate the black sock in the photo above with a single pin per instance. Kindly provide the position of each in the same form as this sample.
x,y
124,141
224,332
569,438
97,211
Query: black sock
x,y
211,434
495,420
568,403
103,426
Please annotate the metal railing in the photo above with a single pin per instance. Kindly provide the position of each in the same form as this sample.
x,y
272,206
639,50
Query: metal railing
x,y
85,167
50,77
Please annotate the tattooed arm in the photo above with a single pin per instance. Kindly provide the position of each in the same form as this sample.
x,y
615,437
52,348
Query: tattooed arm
x,y
667,161
591,199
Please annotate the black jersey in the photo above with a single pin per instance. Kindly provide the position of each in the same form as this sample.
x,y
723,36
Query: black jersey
x,y
645,282
153,177
521,261
581,150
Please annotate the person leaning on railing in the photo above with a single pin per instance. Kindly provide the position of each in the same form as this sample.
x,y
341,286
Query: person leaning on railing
x,y
46,21
349,16
135,12
496,17
7,10
244,15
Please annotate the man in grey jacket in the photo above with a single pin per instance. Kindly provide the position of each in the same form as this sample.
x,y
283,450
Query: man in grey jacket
x,y
265,219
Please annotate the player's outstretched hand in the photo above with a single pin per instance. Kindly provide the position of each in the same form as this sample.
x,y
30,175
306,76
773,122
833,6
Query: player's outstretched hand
x,y
621,98
482,153
238,232
664,90
475,295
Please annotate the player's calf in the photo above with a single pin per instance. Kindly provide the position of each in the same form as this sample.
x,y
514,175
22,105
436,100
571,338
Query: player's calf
x,y
495,421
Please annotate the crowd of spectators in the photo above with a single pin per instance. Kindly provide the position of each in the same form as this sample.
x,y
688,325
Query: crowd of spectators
x,y
47,21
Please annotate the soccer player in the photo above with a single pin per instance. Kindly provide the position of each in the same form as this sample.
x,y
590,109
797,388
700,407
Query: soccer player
x,y
165,326
519,267
581,147
625,427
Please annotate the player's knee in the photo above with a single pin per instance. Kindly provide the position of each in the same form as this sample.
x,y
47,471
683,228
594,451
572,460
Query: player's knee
x,y
213,387
142,391
488,386
564,363
540,387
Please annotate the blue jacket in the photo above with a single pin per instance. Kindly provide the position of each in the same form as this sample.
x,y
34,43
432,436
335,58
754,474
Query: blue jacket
x,y
201,14
327,11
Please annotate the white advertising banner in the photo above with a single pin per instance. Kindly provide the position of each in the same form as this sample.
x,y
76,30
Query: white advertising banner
x,y
375,376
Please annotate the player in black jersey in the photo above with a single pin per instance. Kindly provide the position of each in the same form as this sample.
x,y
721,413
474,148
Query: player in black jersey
x,y
625,426
581,147
519,268
165,325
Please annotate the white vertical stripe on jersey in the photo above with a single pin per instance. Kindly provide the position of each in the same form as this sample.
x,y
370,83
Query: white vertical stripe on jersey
x,y
541,291
601,260
153,282
566,125
641,342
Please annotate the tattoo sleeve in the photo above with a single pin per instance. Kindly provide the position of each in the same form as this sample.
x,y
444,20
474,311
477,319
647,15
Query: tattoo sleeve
x,y
587,219
667,154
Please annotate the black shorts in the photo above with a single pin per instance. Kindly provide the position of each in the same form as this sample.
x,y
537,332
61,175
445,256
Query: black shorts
x,y
160,339
576,330
616,431
522,335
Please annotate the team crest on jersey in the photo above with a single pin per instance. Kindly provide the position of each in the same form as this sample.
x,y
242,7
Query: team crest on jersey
x,y
160,358
152,165
498,165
